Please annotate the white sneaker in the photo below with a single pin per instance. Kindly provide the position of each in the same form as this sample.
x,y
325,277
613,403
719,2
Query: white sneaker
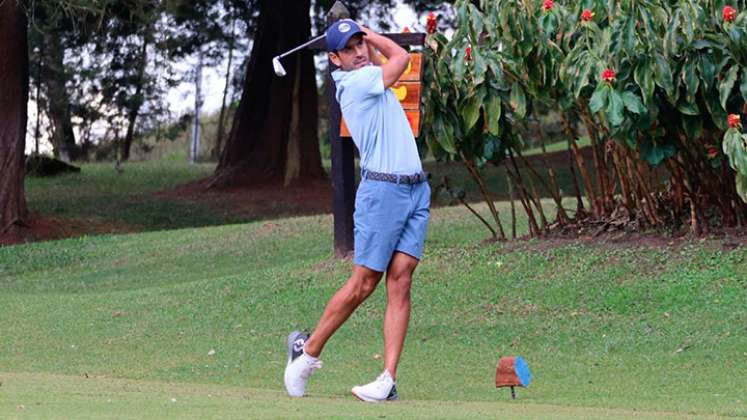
x,y
382,389
300,365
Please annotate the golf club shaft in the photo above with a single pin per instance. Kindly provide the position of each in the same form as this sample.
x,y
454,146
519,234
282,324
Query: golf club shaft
x,y
301,46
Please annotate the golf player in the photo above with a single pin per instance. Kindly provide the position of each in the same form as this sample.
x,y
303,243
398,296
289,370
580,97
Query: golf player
x,y
391,205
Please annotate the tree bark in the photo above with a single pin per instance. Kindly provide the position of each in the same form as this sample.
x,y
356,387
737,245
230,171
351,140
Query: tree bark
x,y
267,124
63,137
14,85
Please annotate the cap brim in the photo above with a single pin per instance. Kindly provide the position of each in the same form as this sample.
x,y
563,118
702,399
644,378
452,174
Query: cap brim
x,y
343,41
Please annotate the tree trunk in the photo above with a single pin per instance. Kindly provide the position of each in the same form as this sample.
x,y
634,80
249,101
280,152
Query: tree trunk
x,y
14,85
63,137
261,134
194,148
218,146
136,103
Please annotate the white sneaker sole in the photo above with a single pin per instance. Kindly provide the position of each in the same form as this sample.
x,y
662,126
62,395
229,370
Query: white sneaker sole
x,y
370,400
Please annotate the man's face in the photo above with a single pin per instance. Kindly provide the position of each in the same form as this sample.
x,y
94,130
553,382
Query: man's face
x,y
353,56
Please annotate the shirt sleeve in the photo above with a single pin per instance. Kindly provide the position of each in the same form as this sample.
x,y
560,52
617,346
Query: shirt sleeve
x,y
366,82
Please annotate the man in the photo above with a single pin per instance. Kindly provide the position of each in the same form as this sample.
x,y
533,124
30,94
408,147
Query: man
x,y
391,205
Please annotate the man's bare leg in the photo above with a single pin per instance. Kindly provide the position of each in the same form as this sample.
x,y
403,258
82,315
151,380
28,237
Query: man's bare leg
x,y
397,316
359,286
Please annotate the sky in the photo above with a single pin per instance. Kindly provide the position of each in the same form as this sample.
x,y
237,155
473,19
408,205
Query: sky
x,y
181,99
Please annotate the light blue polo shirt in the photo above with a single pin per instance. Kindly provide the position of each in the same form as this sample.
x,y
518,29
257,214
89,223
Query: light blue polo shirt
x,y
377,122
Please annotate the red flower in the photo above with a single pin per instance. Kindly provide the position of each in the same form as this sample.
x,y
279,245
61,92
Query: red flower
x,y
734,121
711,151
729,14
608,75
468,56
548,5
406,30
431,23
587,15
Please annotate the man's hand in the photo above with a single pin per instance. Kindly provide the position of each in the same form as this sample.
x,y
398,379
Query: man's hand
x,y
397,57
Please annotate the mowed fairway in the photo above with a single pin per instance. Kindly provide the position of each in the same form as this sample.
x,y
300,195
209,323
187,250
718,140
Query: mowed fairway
x,y
192,323
54,396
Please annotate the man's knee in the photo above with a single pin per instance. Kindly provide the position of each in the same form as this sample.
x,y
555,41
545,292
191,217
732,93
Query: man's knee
x,y
398,284
363,286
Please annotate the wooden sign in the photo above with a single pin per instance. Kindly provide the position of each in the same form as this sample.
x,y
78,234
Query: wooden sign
x,y
408,91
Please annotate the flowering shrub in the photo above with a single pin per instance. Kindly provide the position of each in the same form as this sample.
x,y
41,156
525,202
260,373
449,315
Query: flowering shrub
x,y
652,83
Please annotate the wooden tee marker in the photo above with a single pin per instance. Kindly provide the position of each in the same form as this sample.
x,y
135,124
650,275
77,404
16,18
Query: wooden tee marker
x,y
512,372
408,91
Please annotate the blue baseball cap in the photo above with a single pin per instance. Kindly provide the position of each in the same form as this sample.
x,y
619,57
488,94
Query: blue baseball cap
x,y
340,32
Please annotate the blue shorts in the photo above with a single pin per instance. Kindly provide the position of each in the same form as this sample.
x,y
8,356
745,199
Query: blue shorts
x,y
389,217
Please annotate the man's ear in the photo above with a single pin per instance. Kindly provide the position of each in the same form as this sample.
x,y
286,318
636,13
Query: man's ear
x,y
335,59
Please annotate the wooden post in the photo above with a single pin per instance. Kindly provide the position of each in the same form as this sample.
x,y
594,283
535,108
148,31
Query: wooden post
x,y
343,176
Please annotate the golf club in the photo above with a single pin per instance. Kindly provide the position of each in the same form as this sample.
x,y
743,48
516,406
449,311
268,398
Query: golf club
x,y
278,66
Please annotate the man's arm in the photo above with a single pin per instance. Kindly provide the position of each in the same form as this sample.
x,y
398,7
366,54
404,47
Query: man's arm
x,y
397,57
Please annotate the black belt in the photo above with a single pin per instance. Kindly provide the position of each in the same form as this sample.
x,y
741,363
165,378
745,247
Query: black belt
x,y
394,178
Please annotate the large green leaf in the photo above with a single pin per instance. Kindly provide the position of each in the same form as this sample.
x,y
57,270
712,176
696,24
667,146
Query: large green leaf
x,y
518,101
693,126
718,115
655,152
643,76
476,19
582,73
663,75
459,64
479,66
688,108
690,77
727,84
707,69
444,135
471,111
628,34
600,98
741,184
615,108
735,148
633,103
493,111
743,86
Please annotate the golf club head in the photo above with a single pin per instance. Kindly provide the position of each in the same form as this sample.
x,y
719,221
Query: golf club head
x,y
279,70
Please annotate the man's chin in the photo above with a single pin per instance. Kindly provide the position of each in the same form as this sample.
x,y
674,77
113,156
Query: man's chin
x,y
361,65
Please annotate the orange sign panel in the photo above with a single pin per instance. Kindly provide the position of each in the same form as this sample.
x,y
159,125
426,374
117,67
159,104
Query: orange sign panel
x,y
413,117
414,70
408,91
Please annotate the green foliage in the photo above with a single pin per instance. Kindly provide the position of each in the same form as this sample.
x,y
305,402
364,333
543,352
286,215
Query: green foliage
x,y
678,68
735,147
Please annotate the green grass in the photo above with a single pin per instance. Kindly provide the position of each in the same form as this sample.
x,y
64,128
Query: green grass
x,y
609,331
559,146
102,398
652,330
124,201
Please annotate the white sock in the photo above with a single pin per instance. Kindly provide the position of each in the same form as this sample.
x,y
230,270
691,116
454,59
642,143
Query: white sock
x,y
308,356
